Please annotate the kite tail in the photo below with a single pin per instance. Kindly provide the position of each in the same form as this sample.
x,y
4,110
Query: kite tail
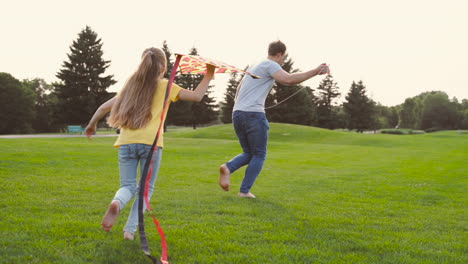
x,y
145,182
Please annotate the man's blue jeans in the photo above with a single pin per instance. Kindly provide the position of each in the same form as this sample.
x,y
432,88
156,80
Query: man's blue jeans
x,y
130,156
252,130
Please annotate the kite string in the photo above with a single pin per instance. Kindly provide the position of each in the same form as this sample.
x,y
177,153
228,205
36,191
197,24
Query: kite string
x,y
282,101
268,107
287,98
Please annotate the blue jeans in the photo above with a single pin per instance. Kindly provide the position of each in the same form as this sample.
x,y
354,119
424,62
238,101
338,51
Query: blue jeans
x,y
130,156
252,130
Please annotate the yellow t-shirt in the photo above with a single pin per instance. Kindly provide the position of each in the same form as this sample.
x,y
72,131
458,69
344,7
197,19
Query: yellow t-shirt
x,y
147,134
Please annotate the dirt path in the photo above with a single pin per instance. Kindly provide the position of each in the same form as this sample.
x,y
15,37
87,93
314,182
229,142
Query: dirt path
x,y
54,136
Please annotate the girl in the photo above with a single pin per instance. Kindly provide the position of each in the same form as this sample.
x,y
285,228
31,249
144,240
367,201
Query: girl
x,y
136,111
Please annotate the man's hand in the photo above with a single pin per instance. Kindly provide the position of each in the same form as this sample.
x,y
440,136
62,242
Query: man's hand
x,y
323,69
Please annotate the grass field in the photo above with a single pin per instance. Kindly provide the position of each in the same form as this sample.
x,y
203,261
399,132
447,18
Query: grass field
x,y
322,197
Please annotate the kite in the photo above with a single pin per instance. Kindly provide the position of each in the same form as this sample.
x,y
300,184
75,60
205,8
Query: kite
x,y
188,64
191,64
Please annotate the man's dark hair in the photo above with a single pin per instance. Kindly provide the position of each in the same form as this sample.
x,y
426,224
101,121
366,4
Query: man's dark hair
x,y
276,47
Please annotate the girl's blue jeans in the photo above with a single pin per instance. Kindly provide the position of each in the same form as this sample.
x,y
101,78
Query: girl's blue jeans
x,y
252,131
130,157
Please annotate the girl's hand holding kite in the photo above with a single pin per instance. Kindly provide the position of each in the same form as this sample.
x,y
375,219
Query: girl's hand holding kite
x,y
199,92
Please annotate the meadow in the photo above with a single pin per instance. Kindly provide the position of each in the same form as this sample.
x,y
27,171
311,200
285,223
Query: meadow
x,y
322,197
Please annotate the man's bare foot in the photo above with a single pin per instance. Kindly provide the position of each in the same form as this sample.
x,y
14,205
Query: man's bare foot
x,y
128,235
109,217
246,195
224,175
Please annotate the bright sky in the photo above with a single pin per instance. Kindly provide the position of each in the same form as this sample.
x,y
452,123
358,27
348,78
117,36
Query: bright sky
x,y
398,48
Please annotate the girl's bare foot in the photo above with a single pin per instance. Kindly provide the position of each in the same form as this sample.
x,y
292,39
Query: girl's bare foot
x,y
109,217
128,235
224,174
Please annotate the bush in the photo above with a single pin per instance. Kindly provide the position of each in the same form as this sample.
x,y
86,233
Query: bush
x,y
432,129
392,131
415,132
401,131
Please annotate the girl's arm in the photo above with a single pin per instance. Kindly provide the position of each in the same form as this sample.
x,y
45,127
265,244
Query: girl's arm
x,y
199,92
102,111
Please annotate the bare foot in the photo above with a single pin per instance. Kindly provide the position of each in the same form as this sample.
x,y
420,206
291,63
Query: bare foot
x,y
128,236
109,217
246,195
224,175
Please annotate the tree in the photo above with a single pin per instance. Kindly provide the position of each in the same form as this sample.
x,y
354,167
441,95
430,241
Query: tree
x,y
327,93
169,64
82,88
464,114
180,112
359,108
340,117
408,117
464,104
16,106
172,114
205,111
287,106
44,100
386,117
393,116
458,108
438,112
228,104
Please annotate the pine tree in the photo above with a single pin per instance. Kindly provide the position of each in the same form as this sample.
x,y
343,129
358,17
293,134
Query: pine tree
x,y
205,111
191,113
82,88
359,108
327,93
169,64
228,104
173,113
180,112
286,105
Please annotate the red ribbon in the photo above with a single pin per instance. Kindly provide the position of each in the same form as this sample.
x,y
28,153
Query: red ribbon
x,y
146,177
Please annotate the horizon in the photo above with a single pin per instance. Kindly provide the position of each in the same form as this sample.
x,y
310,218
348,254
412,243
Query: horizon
x,y
399,49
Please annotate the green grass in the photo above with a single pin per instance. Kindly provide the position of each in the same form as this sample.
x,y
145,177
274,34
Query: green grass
x,y
322,197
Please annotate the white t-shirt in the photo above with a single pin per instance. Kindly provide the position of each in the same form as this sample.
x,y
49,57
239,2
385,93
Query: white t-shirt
x,y
253,92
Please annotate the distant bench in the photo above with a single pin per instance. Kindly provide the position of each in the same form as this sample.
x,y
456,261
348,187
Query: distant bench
x,y
75,129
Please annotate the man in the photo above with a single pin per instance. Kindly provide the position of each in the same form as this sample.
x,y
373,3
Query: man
x,y
248,115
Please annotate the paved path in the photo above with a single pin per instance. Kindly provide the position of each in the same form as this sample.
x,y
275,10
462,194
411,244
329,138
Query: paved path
x,y
54,136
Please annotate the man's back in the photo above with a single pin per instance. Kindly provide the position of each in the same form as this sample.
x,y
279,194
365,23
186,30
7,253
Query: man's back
x,y
253,92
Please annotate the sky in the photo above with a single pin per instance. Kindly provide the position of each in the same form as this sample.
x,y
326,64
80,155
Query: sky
x,y
398,48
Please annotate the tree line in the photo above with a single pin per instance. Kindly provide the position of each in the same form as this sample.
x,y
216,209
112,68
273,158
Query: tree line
x,y
429,111
35,106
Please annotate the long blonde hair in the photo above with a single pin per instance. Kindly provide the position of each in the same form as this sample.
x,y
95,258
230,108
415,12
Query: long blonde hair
x,y
132,108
